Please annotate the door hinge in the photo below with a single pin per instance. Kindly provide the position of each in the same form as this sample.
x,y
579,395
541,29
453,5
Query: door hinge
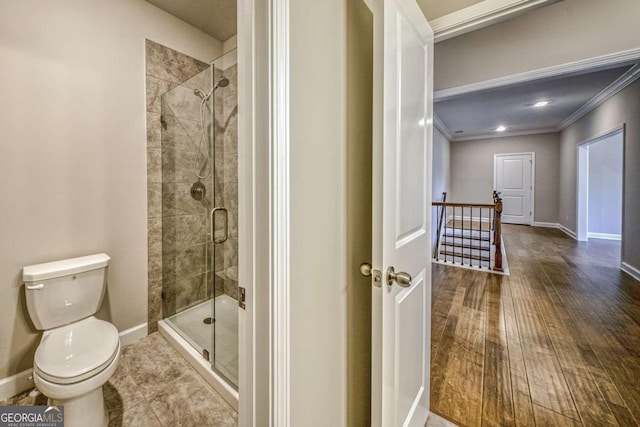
x,y
242,297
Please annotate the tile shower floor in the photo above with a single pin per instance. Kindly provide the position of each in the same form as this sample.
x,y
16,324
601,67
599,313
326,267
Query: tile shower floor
x,y
190,325
155,387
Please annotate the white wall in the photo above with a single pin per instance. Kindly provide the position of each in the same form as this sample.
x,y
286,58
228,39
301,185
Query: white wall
x,y
474,162
73,156
605,186
563,32
318,213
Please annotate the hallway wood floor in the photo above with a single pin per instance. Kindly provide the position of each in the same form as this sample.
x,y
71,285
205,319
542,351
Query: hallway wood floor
x,y
555,343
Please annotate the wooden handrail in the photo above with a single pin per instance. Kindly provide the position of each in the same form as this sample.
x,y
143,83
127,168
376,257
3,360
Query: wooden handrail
x,y
466,205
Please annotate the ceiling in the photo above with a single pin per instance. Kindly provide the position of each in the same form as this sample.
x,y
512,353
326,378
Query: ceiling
x,y
476,115
218,18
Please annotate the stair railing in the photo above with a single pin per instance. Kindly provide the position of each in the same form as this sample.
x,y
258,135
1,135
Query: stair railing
x,y
466,233
441,211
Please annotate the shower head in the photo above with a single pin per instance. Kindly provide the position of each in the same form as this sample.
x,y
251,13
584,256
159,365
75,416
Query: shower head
x,y
223,82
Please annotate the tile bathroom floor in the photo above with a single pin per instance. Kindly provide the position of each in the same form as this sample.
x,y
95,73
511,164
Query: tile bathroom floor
x,y
154,386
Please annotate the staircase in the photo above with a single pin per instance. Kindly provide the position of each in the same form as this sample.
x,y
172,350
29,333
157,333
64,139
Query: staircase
x,y
469,235
465,246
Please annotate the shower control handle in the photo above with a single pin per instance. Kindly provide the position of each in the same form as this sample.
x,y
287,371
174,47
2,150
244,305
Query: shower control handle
x,y
226,225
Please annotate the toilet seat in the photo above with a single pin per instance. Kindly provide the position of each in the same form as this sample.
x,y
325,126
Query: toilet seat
x,y
75,352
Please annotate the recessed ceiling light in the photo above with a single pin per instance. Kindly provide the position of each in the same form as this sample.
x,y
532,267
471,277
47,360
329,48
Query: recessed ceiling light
x,y
501,128
541,104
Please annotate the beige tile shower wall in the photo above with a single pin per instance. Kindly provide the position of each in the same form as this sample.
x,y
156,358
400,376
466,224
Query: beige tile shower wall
x,y
182,275
226,266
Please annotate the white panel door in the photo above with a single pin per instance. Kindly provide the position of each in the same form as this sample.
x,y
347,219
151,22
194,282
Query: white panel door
x,y
513,180
403,102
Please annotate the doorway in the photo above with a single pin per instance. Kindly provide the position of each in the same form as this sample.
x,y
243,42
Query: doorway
x,y
513,179
600,187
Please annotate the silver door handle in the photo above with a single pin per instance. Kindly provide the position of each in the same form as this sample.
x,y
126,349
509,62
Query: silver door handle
x,y
402,279
226,225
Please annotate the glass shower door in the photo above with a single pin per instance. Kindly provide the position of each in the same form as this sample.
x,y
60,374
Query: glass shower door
x,y
199,138
224,334
187,167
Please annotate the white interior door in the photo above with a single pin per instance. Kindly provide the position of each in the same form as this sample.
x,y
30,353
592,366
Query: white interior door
x,y
513,179
403,102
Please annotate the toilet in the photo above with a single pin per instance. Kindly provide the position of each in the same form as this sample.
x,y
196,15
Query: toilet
x,y
78,353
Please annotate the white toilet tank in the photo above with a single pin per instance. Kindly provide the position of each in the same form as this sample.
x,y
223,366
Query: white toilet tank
x,y
63,292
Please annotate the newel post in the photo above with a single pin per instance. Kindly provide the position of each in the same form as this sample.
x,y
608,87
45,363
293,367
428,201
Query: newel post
x,y
497,238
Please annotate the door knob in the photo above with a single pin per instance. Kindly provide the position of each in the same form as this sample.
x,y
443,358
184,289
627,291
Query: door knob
x,y
367,271
401,278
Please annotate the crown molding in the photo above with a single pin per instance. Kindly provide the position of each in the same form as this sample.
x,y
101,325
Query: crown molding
x,y
622,82
481,15
439,124
504,134
600,62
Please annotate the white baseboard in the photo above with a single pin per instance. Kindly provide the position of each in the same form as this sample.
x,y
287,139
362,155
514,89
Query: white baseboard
x,y
604,236
545,224
131,335
16,384
568,232
630,270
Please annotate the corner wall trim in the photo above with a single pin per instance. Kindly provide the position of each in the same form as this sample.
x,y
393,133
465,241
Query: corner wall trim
x,y
545,224
568,232
480,15
16,384
604,236
630,270
279,228
131,335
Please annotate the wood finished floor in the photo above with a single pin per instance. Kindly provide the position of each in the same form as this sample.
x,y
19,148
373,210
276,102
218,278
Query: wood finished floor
x,y
555,343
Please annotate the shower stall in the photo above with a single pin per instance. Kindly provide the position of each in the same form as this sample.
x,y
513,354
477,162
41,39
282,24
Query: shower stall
x,y
199,137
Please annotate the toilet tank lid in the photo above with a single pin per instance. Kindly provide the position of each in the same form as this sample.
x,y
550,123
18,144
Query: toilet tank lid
x,y
65,267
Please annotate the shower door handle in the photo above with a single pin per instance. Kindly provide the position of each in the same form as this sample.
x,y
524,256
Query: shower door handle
x,y
226,225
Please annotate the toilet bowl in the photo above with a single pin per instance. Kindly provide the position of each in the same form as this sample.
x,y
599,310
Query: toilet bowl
x,y
78,353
